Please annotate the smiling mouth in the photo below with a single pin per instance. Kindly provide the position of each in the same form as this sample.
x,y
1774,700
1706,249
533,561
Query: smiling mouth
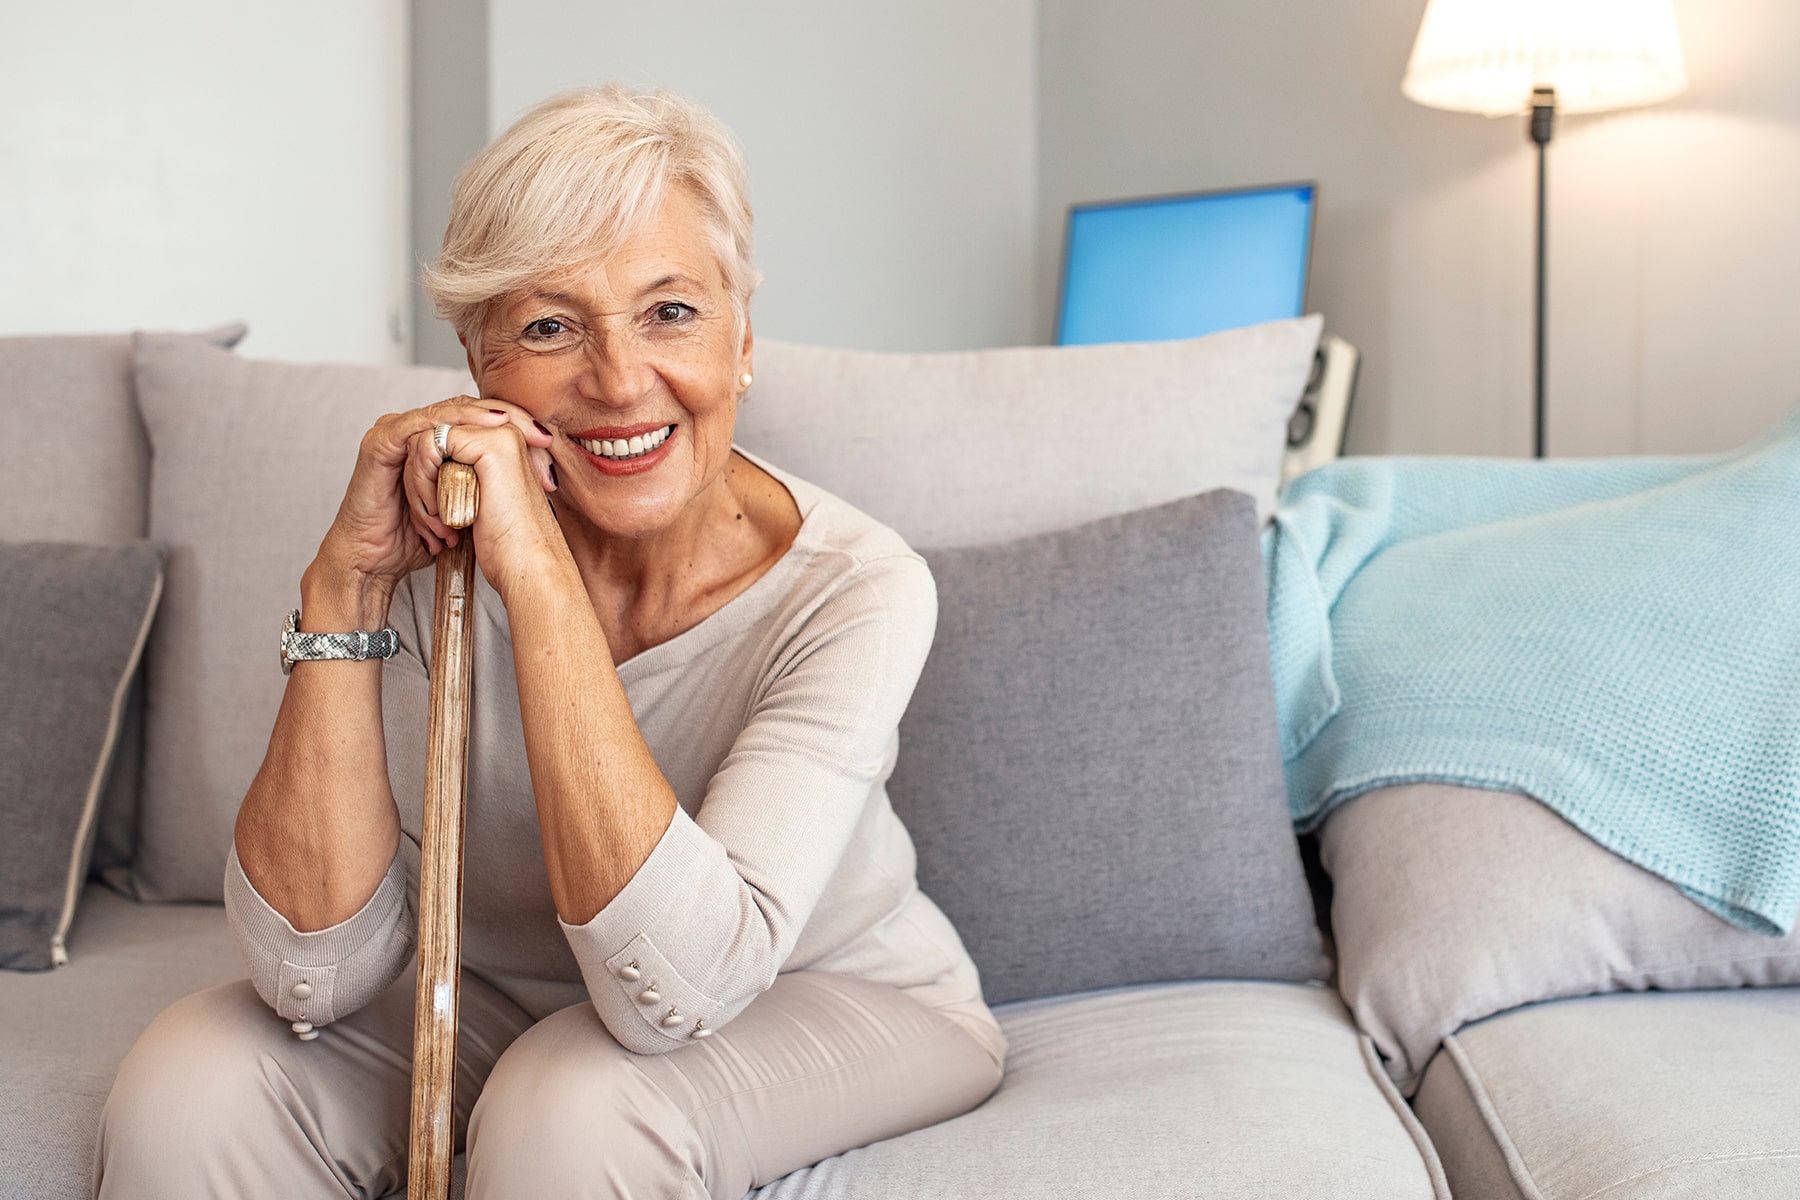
x,y
625,449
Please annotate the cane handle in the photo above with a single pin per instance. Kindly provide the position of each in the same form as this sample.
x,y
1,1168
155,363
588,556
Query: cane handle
x,y
459,500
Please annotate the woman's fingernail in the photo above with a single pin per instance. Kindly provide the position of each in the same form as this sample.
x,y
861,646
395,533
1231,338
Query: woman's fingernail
x,y
540,427
498,412
554,481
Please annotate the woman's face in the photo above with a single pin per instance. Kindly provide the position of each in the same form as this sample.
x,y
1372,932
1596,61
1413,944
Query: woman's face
x,y
635,358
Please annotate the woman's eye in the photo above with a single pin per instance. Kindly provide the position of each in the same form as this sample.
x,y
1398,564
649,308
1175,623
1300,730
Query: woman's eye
x,y
545,329
672,313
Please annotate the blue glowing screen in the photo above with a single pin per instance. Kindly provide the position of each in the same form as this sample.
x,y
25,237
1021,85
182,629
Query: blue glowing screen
x,y
1182,266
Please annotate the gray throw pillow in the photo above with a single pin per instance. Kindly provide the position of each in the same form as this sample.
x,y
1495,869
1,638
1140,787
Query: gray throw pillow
x,y
1451,904
73,623
978,446
1089,766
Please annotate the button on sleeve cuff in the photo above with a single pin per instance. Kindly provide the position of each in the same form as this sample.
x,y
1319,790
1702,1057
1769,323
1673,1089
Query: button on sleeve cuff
x,y
314,978
648,1005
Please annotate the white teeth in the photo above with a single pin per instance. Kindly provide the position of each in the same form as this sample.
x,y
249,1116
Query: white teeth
x,y
623,448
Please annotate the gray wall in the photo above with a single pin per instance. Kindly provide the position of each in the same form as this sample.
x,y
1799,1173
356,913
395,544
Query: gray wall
x,y
891,147
911,165
1672,244
448,75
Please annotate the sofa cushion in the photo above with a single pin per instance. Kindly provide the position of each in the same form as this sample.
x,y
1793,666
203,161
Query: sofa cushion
x,y
1197,1090
55,391
1451,904
69,392
73,622
979,446
251,462
1631,1097
63,1033
66,391
1089,764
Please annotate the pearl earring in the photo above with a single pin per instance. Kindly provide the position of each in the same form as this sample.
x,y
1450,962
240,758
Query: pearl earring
x,y
745,379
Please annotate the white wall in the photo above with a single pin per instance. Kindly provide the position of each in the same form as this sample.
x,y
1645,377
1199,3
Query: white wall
x,y
891,147
193,162
1673,249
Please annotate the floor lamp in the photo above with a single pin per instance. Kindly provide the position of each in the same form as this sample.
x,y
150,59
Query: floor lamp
x,y
1503,57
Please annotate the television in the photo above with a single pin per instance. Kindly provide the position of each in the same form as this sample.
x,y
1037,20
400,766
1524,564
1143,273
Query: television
x,y
1185,265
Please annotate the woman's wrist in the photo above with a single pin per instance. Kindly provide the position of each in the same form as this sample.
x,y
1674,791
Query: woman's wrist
x,y
537,562
335,599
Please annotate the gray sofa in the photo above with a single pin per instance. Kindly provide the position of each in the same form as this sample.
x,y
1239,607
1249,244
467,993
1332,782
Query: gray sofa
x,y
1129,884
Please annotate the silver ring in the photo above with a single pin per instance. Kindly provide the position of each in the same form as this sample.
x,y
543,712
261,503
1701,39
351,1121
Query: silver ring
x,y
440,437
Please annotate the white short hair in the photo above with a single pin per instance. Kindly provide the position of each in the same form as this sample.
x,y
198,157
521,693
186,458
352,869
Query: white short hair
x,y
575,177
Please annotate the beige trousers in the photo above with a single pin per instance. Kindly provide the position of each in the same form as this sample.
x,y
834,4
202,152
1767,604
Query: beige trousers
x,y
220,1099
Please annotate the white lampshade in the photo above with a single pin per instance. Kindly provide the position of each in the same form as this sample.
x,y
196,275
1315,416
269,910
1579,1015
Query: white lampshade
x,y
1485,56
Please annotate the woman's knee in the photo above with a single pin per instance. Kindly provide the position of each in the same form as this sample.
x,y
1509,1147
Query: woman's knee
x,y
199,1062
218,1097
191,1081
568,1112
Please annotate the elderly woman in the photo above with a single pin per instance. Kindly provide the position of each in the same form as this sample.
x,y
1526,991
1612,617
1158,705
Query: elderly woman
x,y
696,957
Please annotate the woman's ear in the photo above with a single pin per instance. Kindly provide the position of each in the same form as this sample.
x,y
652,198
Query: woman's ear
x,y
744,355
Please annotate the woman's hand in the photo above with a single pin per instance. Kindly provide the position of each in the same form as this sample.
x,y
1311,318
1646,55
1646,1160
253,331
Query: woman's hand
x,y
511,457
387,526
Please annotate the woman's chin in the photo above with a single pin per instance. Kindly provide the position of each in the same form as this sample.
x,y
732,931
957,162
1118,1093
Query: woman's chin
x,y
620,516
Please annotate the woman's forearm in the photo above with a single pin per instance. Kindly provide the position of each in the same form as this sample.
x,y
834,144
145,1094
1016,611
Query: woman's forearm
x,y
318,827
603,803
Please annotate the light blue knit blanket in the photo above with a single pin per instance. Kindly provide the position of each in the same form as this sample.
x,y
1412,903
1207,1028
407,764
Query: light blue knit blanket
x,y
1618,638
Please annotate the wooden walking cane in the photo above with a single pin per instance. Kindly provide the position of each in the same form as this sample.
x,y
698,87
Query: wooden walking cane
x,y
433,1138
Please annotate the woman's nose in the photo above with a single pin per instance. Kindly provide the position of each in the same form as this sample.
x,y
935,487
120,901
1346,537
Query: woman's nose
x,y
616,376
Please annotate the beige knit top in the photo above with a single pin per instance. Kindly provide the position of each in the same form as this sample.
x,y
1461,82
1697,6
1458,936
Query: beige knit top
x,y
775,720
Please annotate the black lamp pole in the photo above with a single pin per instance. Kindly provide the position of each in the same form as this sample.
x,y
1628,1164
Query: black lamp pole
x,y
1543,124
